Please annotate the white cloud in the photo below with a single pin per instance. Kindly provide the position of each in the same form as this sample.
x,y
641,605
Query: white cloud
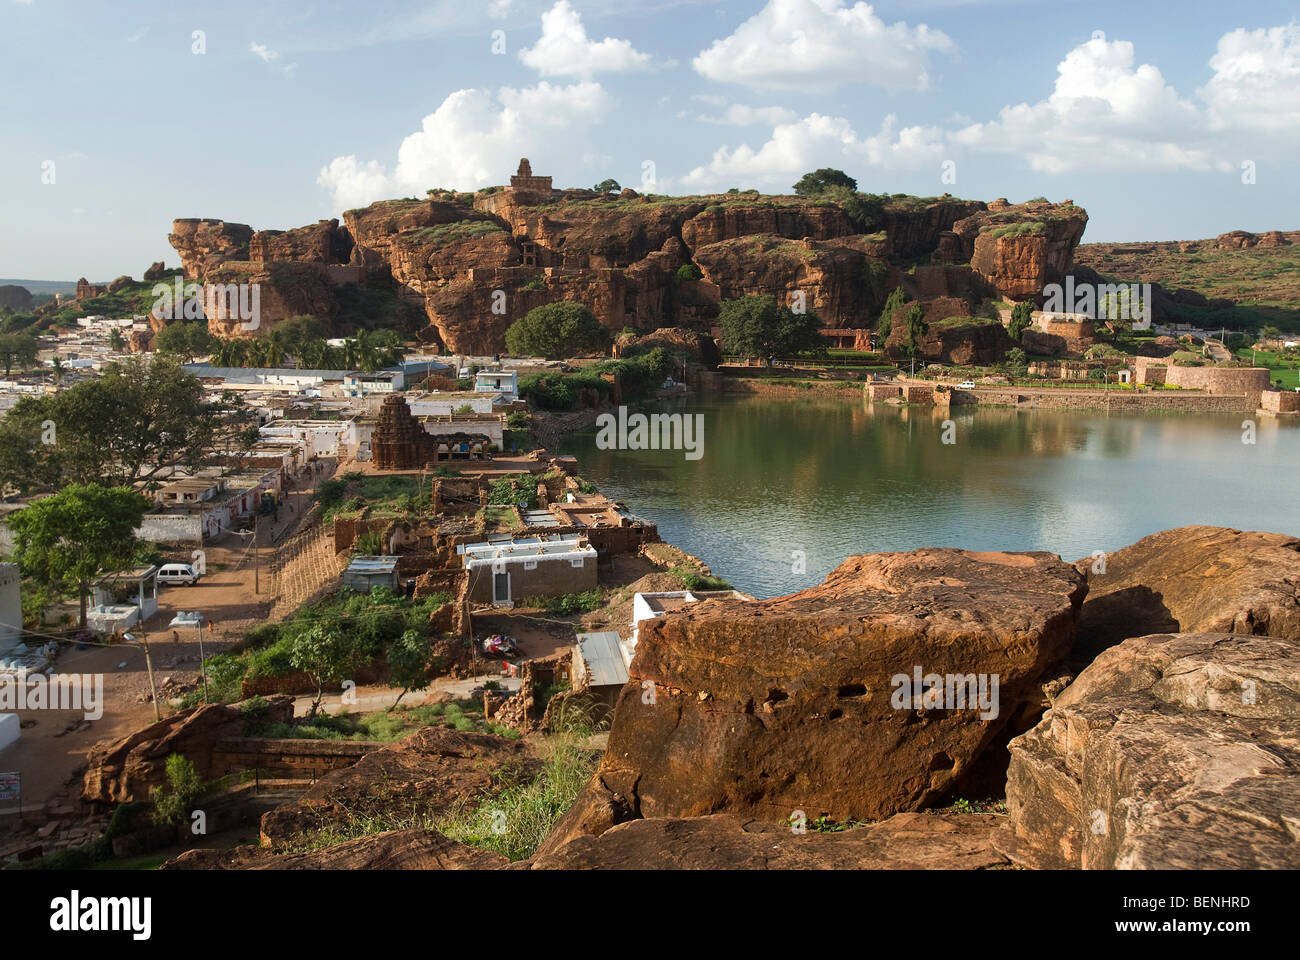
x,y
266,54
738,115
499,9
1104,113
1256,82
564,48
473,139
821,44
816,141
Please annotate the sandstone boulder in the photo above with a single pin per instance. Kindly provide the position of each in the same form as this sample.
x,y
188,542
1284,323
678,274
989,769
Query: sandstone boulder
x,y
907,841
1173,751
429,772
204,245
764,708
1194,580
128,769
411,849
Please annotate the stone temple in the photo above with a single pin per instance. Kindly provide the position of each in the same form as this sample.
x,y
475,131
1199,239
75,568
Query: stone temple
x,y
528,186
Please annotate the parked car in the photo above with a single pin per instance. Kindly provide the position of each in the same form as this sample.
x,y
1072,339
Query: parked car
x,y
966,385
173,573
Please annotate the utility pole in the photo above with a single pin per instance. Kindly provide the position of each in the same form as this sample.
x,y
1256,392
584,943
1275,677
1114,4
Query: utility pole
x,y
257,513
148,665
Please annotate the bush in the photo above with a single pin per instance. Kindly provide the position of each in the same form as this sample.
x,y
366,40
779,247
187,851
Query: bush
x,y
173,801
557,330
687,272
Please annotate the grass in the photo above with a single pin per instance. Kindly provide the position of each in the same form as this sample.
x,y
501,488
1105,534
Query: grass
x,y
568,604
352,492
1283,369
517,820
698,581
388,725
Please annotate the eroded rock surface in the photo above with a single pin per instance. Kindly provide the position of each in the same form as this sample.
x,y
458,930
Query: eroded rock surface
x,y
1194,580
428,773
908,841
1174,751
761,709
394,850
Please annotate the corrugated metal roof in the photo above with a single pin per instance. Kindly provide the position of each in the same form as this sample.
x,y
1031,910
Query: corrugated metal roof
x,y
372,565
603,658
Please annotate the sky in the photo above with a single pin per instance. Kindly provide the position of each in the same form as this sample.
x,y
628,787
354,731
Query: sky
x,y
1166,121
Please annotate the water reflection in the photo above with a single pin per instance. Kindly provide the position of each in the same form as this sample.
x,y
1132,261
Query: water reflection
x,y
837,477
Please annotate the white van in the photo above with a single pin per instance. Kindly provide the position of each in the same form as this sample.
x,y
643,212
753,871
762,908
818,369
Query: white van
x,y
177,573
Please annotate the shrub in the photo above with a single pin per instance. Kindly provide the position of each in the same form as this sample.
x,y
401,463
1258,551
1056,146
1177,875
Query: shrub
x,y
173,801
687,272
557,330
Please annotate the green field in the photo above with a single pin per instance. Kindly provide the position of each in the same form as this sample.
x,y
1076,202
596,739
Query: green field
x,y
1284,369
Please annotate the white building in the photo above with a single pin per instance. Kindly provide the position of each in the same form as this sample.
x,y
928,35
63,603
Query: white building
x,y
648,606
505,382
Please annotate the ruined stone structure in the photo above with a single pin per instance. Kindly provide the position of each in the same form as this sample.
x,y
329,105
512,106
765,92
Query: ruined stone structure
x,y
87,289
523,182
398,442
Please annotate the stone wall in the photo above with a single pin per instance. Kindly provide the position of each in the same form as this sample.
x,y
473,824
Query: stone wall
x,y
1249,381
1280,401
1117,400
289,759
171,528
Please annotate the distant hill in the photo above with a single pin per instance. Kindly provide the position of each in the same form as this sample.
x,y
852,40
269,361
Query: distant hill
x,y
38,287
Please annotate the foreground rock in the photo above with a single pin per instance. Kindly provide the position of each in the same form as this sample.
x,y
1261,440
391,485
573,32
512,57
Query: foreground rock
x,y
1193,580
427,774
129,768
761,709
1175,751
394,850
908,841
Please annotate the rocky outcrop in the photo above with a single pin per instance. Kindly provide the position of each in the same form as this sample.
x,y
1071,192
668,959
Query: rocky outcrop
x,y
203,245
15,297
1172,751
702,348
157,270
1193,580
950,339
840,280
284,290
128,769
795,703
322,242
479,262
429,773
1017,250
907,841
411,849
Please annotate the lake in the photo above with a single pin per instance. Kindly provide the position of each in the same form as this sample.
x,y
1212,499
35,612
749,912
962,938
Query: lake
x,y
787,487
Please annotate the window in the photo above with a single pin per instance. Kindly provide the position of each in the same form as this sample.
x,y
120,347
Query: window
x,y
577,563
530,564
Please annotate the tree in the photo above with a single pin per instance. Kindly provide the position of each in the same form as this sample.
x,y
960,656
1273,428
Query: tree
x,y
915,321
174,800
892,303
230,353
754,326
408,663
607,186
139,420
115,339
17,348
184,340
68,540
811,184
1021,319
327,655
1017,362
557,331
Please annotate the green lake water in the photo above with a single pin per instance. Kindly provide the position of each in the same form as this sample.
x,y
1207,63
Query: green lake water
x,y
780,477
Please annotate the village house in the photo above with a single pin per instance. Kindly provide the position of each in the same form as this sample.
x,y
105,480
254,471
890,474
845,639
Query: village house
x,y
503,570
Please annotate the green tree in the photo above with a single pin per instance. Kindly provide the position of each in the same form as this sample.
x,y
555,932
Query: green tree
x,y
1017,362
184,340
408,663
327,655
557,331
811,184
139,420
17,348
687,272
68,540
1021,319
892,303
915,321
754,326
115,340
174,800
607,186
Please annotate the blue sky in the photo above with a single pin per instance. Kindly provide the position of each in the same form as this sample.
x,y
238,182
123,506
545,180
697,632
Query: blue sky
x,y
1142,113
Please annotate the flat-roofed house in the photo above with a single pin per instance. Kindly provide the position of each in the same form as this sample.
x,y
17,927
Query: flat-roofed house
x,y
504,570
